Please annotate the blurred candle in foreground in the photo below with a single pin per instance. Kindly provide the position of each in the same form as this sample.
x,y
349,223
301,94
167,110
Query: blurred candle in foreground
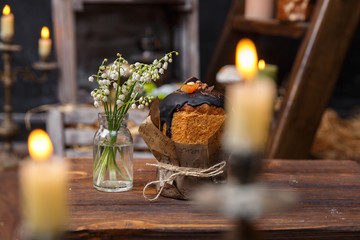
x,y
7,25
43,181
45,43
249,115
249,105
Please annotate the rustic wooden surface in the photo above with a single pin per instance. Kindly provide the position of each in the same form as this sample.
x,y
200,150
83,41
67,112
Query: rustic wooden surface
x,y
270,27
329,207
65,45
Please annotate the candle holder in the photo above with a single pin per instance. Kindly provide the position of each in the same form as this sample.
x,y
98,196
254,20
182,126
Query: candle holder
x,y
8,129
7,40
243,170
242,198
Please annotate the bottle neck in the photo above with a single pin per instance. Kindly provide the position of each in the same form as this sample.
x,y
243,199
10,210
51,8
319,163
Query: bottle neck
x,y
104,121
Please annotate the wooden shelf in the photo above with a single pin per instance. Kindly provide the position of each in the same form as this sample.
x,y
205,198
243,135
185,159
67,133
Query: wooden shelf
x,y
325,39
270,27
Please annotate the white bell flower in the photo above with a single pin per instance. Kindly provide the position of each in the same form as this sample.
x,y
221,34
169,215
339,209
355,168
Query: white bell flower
x,y
165,65
122,97
119,103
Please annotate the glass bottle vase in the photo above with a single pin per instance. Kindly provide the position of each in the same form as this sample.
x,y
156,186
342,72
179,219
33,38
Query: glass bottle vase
x,y
113,157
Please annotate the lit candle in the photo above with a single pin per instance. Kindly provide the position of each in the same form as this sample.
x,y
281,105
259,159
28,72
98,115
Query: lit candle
x,y
246,59
43,189
249,105
259,9
268,70
45,43
7,25
239,72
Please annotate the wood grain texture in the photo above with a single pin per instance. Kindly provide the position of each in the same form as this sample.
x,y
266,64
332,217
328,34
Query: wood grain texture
x,y
9,205
130,212
329,205
328,208
64,31
313,78
270,27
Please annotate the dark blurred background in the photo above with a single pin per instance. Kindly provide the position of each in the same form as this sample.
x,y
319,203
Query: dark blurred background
x,y
30,16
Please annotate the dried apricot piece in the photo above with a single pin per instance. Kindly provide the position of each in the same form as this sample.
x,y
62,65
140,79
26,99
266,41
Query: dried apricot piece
x,y
189,88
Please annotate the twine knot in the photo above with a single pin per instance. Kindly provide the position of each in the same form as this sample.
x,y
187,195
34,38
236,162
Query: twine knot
x,y
212,171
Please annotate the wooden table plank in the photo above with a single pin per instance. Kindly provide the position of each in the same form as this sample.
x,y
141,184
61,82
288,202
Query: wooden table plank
x,y
9,202
130,213
330,201
329,206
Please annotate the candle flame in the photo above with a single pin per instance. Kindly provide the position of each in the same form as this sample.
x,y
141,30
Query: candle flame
x,y
6,10
45,33
40,146
261,64
246,59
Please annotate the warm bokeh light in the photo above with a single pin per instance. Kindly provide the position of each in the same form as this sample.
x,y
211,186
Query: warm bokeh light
x,y
261,64
45,33
40,146
6,10
246,59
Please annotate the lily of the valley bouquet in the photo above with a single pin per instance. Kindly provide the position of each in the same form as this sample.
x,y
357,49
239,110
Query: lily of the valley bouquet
x,y
113,149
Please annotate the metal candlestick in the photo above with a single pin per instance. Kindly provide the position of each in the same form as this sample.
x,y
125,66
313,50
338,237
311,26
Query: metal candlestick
x,y
8,129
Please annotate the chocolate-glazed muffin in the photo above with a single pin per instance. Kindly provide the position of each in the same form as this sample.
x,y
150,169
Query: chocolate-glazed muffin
x,y
192,113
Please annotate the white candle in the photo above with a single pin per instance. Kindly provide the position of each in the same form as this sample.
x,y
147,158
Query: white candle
x,y
249,105
249,114
7,25
43,189
45,43
259,9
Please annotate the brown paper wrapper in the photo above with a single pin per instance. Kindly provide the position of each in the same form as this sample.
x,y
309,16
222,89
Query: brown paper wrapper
x,y
183,155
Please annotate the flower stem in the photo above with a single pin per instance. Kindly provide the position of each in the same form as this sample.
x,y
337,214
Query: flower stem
x,y
106,161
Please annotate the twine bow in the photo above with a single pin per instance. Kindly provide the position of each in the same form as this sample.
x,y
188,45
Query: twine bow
x,y
212,171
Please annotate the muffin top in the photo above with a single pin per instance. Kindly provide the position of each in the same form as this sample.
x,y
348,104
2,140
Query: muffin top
x,y
193,93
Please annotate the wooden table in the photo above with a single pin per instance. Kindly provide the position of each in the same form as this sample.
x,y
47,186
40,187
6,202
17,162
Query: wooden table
x,y
329,207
